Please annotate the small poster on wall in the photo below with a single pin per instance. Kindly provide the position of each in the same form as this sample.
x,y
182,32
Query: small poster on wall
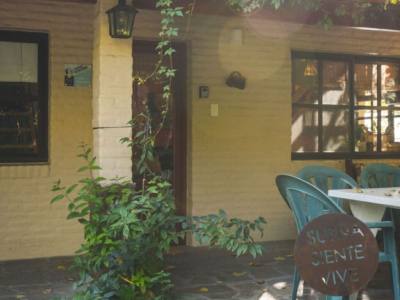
x,y
76,75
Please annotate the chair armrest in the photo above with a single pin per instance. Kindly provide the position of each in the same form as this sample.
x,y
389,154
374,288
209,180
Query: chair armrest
x,y
381,224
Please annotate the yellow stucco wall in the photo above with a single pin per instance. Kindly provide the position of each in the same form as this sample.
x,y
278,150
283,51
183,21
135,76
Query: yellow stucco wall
x,y
232,159
29,225
235,157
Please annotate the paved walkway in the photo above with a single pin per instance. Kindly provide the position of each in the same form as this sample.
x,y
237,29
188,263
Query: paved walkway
x,y
198,273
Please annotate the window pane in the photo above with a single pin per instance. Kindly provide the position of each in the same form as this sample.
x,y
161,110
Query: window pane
x,y
365,131
15,130
305,81
304,130
390,84
335,83
390,130
18,62
23,97
335,132
365,84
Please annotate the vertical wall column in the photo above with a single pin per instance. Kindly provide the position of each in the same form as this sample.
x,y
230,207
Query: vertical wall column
x,y
112,97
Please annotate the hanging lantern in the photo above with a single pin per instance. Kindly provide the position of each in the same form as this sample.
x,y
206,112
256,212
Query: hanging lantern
x,y
121,19
310,69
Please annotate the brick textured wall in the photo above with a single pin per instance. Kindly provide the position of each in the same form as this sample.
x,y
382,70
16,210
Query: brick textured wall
x,y
235,157
29,225
112,97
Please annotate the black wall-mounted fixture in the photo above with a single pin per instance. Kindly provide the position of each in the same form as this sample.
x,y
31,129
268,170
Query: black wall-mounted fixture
x,y
236,80
121,19
204,91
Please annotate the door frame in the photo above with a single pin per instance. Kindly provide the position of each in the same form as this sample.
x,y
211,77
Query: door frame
x,y
179,112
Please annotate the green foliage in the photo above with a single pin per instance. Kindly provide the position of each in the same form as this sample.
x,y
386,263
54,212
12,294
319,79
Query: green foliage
x,y
128,231
246,6
146,129
235,235
328,10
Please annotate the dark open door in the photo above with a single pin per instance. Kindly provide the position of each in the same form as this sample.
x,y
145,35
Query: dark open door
x,y
170,144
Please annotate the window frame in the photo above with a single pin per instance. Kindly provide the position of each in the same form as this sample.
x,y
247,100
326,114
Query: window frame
x,y
42,40
352,60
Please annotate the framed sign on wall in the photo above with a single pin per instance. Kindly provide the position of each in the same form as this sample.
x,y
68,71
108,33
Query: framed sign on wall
x,y
77,75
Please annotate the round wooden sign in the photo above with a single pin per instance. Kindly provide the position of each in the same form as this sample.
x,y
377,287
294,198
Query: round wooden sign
x,y
336,254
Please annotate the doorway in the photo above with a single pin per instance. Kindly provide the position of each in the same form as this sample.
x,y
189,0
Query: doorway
x,y
170,143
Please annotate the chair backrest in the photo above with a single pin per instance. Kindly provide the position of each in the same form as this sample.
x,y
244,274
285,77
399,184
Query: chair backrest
x,y
380,175
306,201
326,178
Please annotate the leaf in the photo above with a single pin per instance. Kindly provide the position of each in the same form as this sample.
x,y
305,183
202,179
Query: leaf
x,y
83,221
84,168
70,189
253,252
73,215
239,274
254,264
47,291
125,232
57,198
279,258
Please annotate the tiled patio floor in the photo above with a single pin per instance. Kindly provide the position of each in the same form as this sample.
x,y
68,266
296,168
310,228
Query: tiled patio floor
x,y
199,274
215,275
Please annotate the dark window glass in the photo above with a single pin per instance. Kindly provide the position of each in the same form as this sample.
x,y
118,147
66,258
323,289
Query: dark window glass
x,y
335,83
390,82
305,89
366,130
366,84
335,130
345,106
23,96
304,130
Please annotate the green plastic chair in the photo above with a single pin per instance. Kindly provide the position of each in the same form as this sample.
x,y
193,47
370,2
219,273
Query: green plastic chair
x,y
306,202
380,175
326,178
374,175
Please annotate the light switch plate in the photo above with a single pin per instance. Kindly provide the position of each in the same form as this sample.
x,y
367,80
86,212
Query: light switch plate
x,y
214,110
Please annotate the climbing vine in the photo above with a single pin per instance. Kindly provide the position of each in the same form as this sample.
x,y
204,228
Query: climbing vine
x,y
145,130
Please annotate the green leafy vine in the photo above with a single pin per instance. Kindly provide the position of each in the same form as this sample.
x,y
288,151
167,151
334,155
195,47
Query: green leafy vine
x,y
164,71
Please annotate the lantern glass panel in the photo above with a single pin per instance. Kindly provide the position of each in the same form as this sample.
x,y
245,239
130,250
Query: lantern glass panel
x,y
121,19
123,23
111,24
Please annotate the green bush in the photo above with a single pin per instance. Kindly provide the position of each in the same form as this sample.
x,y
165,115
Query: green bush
x,y
128,231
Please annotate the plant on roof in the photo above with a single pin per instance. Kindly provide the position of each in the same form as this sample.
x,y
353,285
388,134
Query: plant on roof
x,y
327,10
246,6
